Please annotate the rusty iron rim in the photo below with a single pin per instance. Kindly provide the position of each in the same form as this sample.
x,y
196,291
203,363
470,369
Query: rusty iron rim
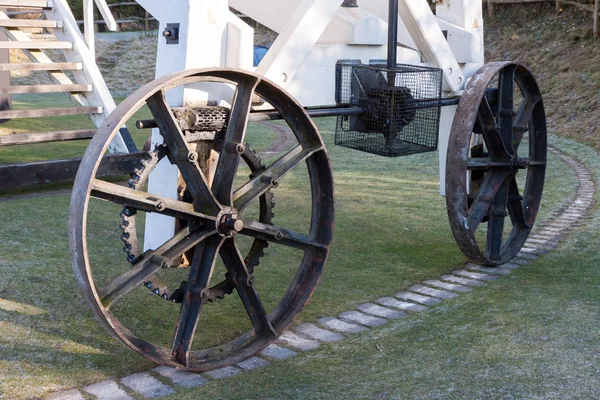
x,y
495,195
216,212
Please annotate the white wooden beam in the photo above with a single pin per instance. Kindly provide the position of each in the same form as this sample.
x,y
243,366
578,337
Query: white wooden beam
x,y
111,24
297,39
425,31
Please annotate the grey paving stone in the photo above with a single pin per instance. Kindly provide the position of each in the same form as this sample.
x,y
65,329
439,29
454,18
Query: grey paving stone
x,y
341,326
488,270
527,256
107,390
440,294
314,332
224,373
511,266
474,275
402,305
418,298
453,287
298,342
519,261
146,385
180,378
537,250
461,281
277,352
66,395
378,311
362,319
253,363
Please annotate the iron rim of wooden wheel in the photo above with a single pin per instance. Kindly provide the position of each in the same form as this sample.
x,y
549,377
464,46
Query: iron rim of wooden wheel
x,y
215,218
491,178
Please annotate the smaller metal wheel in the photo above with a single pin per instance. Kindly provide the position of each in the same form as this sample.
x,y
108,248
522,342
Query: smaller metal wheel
x,y
496,163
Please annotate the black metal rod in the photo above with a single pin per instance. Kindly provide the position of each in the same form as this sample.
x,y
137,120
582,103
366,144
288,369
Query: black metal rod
x,y
257,116
350,3
392,55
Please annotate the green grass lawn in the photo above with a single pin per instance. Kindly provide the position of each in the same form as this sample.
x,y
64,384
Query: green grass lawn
x,y
391,231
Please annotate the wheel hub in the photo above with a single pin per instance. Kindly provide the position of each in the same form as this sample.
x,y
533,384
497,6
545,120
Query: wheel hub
x,y
229,222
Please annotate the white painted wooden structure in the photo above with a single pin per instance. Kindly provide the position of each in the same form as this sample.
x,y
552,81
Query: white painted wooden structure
x,y
86,88
313,36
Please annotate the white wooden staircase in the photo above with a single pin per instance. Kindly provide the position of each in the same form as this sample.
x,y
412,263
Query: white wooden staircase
x,y
78,76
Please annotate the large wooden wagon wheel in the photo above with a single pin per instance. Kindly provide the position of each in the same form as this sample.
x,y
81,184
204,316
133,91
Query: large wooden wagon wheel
x,y
496,163
215,221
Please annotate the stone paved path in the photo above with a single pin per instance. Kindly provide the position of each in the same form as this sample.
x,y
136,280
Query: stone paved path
x,y
306,337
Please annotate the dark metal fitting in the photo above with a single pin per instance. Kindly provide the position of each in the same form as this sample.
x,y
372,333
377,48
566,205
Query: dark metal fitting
x,y
235,148
128,212
521,163
250,281
350,3
192,156
160,205
275,184
164,262
278,236
266,179
233,223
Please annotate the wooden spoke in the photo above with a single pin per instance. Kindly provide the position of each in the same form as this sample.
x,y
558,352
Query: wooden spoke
x,y
491,185
279,235
201,271
495,145
271,176
496,217
522,119
506,87
180,154
244,284
151,263
145,201
515,206
233,145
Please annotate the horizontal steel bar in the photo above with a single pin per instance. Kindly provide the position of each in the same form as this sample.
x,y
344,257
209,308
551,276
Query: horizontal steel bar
x,y
320,112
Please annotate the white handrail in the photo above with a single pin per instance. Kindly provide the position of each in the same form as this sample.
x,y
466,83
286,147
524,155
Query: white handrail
x,y
89,23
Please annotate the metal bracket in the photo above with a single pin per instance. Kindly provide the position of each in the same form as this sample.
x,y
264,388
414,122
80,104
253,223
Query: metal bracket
x,y
171,33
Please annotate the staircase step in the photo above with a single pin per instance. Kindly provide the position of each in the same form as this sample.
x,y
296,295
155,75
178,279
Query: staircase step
x,y
50,112
27,4
45,89
59,66
30,23
36,45
33,138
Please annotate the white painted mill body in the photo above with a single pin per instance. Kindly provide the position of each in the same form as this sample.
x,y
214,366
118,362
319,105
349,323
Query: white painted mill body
x,y
313,36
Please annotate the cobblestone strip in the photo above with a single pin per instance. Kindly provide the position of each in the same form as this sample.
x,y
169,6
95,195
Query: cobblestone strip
x,y
417,298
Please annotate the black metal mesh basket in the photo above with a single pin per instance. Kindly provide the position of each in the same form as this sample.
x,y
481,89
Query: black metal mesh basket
x,y
402,107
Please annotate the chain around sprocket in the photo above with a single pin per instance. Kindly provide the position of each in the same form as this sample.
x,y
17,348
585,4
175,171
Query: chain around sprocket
x,y
129,236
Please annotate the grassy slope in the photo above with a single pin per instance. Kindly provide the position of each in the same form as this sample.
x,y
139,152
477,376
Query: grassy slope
x,y
564,58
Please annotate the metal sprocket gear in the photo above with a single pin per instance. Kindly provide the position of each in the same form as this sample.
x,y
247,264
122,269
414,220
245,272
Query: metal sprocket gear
x,y
129,237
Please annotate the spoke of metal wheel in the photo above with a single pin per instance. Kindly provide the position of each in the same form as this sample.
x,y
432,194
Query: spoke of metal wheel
x,y
147,202
515,206
201,271
234,138
179,154
280,236
492,183
496,217
487,123
244,284
506,87
270,177
521,122
151,263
